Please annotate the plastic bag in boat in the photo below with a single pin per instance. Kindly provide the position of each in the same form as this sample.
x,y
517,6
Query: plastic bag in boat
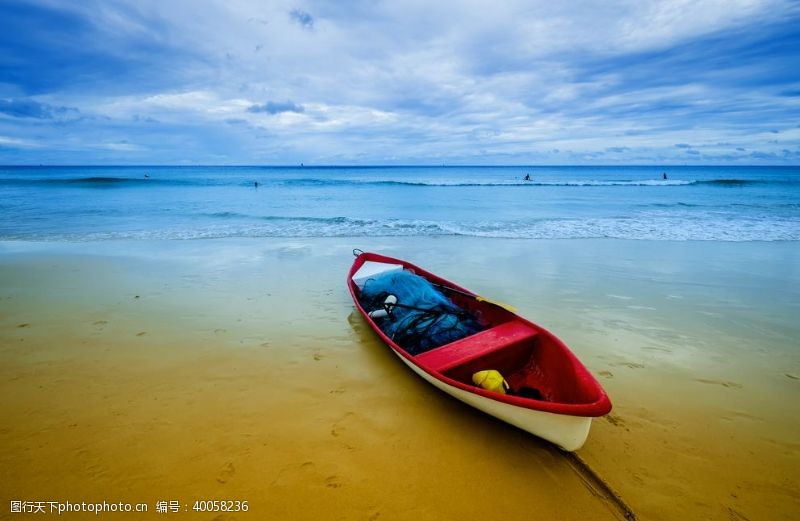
x,y
423,317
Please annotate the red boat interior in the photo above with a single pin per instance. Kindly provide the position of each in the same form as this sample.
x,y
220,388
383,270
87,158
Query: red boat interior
x,y
528,358
536,365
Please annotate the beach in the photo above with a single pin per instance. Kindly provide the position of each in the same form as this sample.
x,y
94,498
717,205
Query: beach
x,y
184,190
238,369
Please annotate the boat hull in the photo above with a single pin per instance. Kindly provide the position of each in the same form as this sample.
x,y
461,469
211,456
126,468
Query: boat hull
x,y
551,394
568,432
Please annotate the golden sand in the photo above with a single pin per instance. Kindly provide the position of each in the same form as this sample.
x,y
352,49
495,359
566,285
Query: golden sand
x,y
239,370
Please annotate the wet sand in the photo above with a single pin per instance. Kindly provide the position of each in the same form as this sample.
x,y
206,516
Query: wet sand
x,y
238,369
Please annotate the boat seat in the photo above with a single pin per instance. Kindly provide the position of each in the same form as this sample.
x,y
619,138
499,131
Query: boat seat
x,y
474,346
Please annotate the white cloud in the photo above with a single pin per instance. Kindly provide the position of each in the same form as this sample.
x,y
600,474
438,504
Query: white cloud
x,y
16,142
410,78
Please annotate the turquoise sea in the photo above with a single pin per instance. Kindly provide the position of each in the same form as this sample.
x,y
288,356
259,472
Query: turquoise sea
x,y
88,203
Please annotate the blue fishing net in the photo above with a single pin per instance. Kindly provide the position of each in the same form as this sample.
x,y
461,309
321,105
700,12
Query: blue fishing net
x,y
424,318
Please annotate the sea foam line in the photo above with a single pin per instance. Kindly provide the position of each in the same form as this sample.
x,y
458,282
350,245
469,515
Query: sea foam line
x,y
113,182
656,228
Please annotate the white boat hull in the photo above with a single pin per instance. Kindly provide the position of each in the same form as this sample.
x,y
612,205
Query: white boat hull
x,y
568,432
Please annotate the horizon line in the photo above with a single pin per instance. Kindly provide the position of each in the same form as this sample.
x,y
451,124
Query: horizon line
x,y
378,165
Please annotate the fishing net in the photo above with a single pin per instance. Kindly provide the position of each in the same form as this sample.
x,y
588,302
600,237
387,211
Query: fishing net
x,y
423,317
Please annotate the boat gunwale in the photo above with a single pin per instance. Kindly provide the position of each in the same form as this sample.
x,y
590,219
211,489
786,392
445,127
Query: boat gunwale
x,y
599,407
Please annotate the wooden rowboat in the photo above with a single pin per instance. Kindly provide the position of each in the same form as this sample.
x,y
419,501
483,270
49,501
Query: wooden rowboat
x,y
552,395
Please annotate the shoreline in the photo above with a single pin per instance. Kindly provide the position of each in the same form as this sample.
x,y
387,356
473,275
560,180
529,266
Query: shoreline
x,y
262,333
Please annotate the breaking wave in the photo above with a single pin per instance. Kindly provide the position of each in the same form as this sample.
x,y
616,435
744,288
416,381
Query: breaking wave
x,y
656,228
107,182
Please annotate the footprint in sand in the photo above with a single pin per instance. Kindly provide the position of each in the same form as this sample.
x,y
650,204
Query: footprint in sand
x,y
607,374
141,333
336,429
792,376
615,420
630,365
24,325
333,482
317,357
723,383
226,473
100,324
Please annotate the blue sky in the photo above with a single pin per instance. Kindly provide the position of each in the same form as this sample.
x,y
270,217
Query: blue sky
x,y
399,82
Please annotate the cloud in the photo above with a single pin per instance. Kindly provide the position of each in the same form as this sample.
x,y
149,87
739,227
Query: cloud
x,y
145,119
28,108
274,107
764,155
303,18
401,81
109,47
11,143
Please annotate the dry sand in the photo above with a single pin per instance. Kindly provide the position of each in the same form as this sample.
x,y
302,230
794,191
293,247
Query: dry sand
x,y
239,370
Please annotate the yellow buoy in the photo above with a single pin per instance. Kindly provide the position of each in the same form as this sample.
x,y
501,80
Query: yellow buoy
x,y
490,380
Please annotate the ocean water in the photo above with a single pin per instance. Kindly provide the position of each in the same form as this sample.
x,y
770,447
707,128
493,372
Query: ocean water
x,y
159,202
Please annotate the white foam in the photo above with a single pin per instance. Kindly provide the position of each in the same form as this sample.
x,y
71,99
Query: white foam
x,y
656,227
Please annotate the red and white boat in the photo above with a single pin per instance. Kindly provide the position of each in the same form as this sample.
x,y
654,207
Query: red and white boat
x,y
552,395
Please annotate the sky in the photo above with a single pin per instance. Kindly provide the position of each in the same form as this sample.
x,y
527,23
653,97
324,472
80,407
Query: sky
x,y
400,82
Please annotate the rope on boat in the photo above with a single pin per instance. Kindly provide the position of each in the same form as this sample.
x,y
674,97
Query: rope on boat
x,y
598,485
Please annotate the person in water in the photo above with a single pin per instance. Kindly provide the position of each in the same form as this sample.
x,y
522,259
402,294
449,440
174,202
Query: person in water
x,y
664,176
527,177
255,183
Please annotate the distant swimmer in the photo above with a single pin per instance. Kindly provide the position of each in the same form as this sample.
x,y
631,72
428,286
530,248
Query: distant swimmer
x,y
147,176
664,176
255,183
527,177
